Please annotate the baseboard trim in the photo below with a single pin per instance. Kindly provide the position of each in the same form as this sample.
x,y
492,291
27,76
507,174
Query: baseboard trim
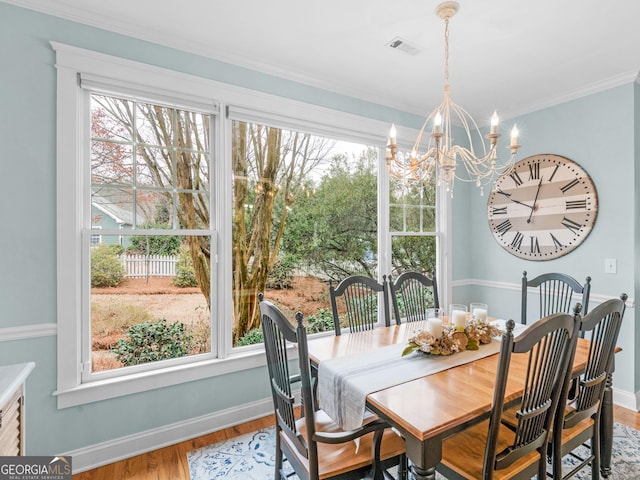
x,y
104,453
627,400
24,332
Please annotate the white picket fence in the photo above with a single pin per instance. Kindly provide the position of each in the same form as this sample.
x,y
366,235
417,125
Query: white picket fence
x,y
140,266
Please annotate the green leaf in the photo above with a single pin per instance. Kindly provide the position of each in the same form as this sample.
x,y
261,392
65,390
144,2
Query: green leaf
x,y
410,349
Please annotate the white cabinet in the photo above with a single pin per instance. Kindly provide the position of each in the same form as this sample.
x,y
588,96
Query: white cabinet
x,y
12,415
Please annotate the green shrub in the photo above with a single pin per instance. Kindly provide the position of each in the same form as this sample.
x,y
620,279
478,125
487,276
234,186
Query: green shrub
x,y
149,342
185,274
321,322
281,274
106,268
252,337
154,244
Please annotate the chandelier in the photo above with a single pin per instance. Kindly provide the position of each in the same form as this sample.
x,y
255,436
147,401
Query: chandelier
x,y
441,154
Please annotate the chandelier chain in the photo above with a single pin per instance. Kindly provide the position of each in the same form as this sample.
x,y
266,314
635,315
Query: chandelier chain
x,y
446,54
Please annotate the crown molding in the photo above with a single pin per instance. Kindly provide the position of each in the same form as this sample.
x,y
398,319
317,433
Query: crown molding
x,y
138,31
135,30
569,95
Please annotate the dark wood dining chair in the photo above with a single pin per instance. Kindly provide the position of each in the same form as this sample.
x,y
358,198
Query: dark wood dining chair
x,y
578,423
314,446
555,292
356,300
494,449
412,293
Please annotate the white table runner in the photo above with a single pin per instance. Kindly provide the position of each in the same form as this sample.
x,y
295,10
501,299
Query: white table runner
x,y
345,382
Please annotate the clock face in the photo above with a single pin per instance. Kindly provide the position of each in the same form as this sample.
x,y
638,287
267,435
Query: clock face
x,y
543,208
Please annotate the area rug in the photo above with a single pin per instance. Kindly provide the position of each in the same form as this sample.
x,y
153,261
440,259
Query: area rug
x,y
252,457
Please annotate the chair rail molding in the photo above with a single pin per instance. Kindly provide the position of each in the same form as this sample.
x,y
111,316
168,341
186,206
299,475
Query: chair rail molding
x,y
594,298
25,332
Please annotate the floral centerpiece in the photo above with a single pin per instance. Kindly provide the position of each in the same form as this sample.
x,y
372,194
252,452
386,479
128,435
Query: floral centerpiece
x,y
476,333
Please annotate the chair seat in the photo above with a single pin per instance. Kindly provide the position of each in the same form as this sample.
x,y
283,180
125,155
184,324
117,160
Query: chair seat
x,y
572,437
335,459
464,452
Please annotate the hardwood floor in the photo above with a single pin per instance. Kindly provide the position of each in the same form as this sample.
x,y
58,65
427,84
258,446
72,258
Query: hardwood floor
x,y
170,463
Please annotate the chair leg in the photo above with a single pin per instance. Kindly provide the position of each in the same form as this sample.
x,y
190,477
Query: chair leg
x,y
556,456
595,450
278,462
376,468
403,467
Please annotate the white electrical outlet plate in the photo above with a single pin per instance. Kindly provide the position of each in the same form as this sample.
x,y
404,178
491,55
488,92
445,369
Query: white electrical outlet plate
x,y
610,265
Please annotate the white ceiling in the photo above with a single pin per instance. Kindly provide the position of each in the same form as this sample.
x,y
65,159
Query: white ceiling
x,y
511,55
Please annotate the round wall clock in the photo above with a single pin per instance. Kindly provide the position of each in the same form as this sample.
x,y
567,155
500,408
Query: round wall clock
x,y
543,208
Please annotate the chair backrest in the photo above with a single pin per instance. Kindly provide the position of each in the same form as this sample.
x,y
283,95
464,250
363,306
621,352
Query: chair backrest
x,y
601,326
278,333
358,297
549,346
555,292
412,294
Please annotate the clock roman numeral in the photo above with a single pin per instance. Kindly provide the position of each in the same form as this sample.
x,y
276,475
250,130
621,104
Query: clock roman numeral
x,y
503,227
556,242
517,240
499,211
554,172
569,185
576,204
535,246
534,171
516,178
571,225
508,195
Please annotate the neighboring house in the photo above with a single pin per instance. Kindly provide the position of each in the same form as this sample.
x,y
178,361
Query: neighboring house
x,y
114,212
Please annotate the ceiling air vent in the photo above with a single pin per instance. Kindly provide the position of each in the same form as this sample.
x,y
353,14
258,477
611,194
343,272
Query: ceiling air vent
x,y
403,45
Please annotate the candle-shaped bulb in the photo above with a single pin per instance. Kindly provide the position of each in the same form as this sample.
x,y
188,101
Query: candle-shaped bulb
x,y
392,134
514,136
494,122
437,123
414,154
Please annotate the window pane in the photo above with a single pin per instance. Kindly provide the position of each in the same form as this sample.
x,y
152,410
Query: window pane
x,y
193,210
154,167
195,131
146,304
112,207
305,211
111,118
412,252
412,207
111,163
155,124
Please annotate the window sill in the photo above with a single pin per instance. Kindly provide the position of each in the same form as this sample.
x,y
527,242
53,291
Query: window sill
x,y
141,382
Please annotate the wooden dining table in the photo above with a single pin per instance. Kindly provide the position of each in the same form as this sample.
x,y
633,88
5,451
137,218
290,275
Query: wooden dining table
x,y
429,409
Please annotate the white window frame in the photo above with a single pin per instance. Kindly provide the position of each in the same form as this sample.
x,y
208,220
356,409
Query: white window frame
x,y
156,83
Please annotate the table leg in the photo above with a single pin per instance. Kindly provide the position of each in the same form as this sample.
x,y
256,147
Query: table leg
x,y
423,457
606,429
423,474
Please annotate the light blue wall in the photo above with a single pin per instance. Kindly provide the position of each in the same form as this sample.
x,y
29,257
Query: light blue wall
x,y
598,133
28,205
